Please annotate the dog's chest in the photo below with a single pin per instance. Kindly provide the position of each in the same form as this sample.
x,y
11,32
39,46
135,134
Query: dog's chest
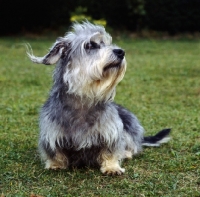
x,y
93,127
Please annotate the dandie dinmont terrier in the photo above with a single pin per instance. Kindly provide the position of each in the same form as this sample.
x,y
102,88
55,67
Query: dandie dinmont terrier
x,y
80,125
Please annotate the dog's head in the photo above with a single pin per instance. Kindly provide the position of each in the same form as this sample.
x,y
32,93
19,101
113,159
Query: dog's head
x,y
91,65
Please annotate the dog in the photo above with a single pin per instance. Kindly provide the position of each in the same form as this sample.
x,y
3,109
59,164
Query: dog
x,y
80,125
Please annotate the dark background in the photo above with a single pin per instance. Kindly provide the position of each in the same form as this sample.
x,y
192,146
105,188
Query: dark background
x,y
172,16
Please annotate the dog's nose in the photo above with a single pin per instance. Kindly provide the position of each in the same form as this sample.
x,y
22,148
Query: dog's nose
x,y
119,52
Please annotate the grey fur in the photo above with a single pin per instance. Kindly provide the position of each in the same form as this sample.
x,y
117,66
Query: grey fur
x,y
79,123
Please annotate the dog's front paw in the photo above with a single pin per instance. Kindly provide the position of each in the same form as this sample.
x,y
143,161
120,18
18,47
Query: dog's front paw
x,y
54,165
112,171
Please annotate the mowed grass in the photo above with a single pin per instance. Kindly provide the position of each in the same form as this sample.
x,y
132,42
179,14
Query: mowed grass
x,y
161,86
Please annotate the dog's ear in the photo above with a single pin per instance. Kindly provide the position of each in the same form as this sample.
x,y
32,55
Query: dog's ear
x,y
54,54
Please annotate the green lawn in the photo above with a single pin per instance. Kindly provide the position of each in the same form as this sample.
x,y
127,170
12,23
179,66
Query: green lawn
x,y
161,86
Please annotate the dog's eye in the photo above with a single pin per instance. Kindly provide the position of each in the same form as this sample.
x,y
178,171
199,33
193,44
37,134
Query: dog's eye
x,y
92,45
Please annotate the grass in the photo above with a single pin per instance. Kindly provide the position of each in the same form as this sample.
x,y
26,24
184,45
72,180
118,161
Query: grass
x,y
161,86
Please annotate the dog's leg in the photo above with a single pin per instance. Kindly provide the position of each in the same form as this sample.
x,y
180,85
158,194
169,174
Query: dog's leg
x,y
110,164
59,161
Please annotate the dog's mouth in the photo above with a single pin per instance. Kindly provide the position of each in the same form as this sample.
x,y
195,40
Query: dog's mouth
x,y
112,65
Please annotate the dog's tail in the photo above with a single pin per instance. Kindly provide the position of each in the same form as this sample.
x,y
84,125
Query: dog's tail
x,y
160,138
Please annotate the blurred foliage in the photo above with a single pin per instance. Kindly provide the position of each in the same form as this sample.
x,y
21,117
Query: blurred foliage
x,y
173,16
79,15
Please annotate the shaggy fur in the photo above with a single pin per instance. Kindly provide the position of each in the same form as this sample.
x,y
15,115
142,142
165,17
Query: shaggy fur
x,y
79,123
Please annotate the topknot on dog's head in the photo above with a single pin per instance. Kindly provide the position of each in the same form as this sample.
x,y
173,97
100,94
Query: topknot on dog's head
x,y
88,30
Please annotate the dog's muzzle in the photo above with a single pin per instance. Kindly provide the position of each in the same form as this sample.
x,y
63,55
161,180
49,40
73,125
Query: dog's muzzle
x,y
119,53
117,63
